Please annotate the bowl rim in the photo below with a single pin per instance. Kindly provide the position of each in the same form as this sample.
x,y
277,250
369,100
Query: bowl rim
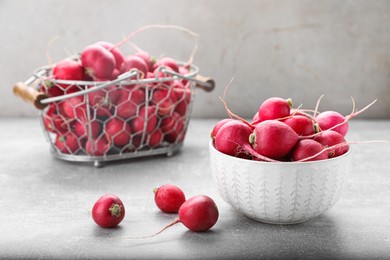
x,y
213,149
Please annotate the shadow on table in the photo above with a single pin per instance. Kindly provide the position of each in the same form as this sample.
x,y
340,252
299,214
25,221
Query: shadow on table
x,y
239,237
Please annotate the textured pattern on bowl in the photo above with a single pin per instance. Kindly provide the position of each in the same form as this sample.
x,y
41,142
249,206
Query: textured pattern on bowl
x,y
279,193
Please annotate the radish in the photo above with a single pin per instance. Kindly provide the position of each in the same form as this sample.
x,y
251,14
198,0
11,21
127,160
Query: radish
x,y
102,100
54,122
67,143
169,198
155,138
255,118
74,108
183,96
184,70
172,126
148,115
330,138
129,101
273,139
147,58
167,62
134,62
274,108
198,214
115,52
218,126
108,211
164,99
232,137
118,131
329,119
82,129
98,62
306,148
98,147
302,125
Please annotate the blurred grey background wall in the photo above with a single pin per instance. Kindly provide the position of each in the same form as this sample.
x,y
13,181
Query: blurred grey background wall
x,y
297,49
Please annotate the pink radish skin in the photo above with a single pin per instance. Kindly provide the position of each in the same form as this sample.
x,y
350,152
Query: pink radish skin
x,y
108,211
331,138
306,148
183,96
302,125
97,147
118,132
165,100
74,108
329,119
167,62
134,62
148,115
273,139
98,62
218,126
130,99
67,143
274,108
64,70
198,214
147,58
172,127
116,52
155,138
53,122
169,198
81,129
232,137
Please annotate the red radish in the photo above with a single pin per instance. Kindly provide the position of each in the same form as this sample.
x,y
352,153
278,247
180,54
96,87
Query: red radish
x,y
134,62
74,107
108,211
155,138
164,99
306,148
102,100
149,115
330,138
147,58
53,122
273,139
67,143
98,147
329,119
118,131
232,137
115,74
167,62
198,214
116,52
172,126
274,108
81,129
183,96
169,198
66,69
218,126
98,61
129,102
302,125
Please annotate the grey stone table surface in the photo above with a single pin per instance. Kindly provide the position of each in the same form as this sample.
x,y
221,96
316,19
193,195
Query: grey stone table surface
x,y
45,204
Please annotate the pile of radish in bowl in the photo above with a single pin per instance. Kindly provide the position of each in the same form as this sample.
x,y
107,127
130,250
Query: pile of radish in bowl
x,y
286,165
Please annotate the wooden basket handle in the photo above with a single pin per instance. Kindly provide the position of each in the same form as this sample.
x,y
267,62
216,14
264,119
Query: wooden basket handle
x,y
205,83
29,94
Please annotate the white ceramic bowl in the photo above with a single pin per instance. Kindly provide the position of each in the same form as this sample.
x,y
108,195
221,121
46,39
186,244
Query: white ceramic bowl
x,y
279,193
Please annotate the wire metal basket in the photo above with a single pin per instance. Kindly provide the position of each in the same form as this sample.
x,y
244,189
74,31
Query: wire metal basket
x,y
128,117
